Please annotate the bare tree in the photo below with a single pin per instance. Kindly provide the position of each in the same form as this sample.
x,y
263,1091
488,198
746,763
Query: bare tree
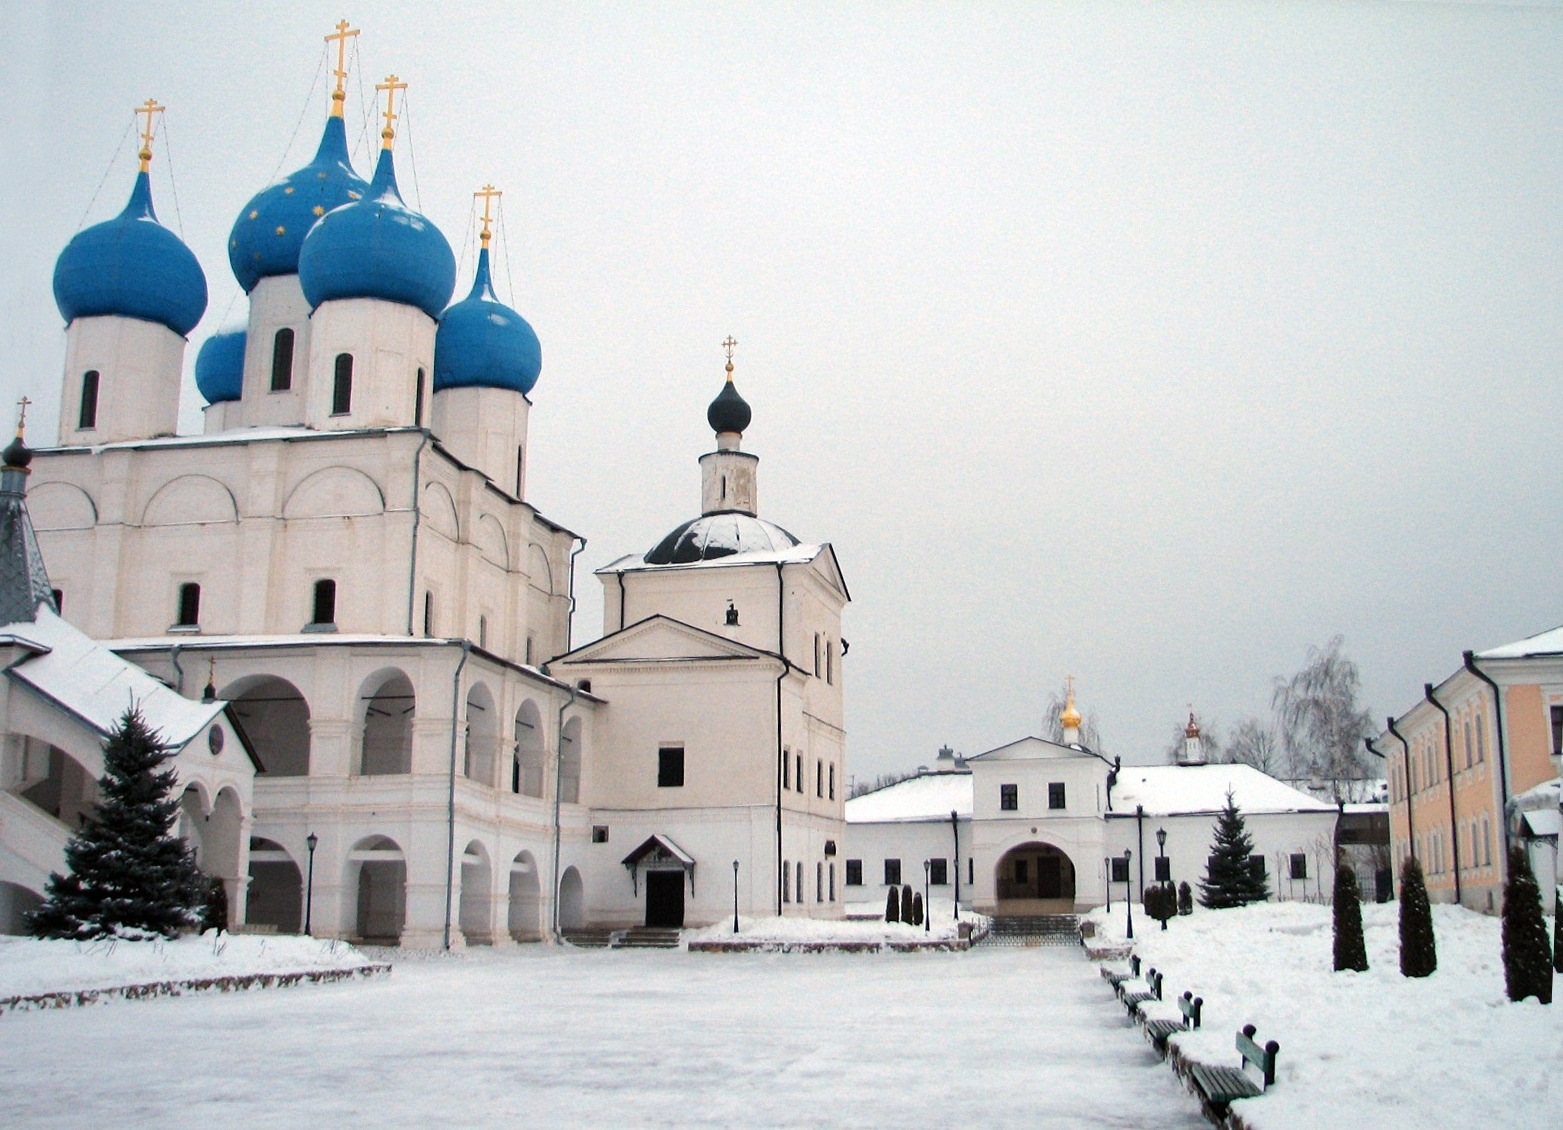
x,y
1255,743
1321,725
883,781
1053,729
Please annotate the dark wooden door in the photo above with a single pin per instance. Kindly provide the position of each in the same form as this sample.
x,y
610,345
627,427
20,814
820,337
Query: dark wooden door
x,y
665,898
1050,878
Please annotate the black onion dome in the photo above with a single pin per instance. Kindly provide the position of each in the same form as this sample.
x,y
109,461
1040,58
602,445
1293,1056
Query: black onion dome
x,y
729,412
17,453
719,535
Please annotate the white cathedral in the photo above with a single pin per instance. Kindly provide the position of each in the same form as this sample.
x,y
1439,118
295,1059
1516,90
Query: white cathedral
x,y
343,614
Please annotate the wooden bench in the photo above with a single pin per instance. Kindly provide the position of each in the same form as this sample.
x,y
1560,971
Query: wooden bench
x,y
1220,1086
1132,998
1159,1030
1116,979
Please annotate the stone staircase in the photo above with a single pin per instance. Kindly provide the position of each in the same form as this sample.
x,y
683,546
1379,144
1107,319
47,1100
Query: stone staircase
x,y
636,937
1034,930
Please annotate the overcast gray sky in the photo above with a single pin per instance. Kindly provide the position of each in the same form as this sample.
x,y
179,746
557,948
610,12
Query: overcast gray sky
x,y
1148,343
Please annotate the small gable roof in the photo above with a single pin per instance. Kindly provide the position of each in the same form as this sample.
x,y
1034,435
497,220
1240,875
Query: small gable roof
x,y
662,639
1035,749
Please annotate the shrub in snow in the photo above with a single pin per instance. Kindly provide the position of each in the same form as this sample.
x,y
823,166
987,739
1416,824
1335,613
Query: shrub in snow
x,y
893,905
1351,952
917,909
1418,953
128,876
214,911
906,903
1185,898
1230,880
1161,902
1527,964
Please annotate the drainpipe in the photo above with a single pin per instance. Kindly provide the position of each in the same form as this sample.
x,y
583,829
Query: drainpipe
x,y
1410,831
781,650
558,780
412,556
1454,826
450,803
569,624
621,601
1139,823
179,672
1503,768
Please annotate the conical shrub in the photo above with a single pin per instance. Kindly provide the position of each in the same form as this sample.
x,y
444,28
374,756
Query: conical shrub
x,y
1527,959
1351,951
1418,952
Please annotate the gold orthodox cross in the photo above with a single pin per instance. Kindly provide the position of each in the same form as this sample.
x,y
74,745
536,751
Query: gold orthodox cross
x,y
148,108
391,85
489,194
729,345
343,34
21,416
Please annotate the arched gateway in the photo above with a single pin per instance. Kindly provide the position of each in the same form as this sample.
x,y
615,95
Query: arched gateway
x,y
1035,878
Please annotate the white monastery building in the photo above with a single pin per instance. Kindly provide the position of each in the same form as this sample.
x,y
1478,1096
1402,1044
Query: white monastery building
x,y
340,609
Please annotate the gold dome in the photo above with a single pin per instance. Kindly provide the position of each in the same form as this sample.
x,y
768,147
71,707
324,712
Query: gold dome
x,y
1069,718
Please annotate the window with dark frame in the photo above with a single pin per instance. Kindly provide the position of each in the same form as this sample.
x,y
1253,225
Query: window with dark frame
x,y
1299,865
819,779
786,768
670,767
832,782
1120,869
854,872
1256,866
282,360
786,881
892,872
938,872
342,385
1055,794
971,870
1009,798
417,401
798,777
599,833
520,467
189,605
88,416
325,602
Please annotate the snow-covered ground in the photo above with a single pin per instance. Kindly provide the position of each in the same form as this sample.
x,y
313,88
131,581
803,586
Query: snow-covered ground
x,y
546,1037
940,927
29,965
1373,1050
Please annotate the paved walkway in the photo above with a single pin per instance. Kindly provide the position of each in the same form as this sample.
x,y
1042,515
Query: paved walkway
x,y
543,1037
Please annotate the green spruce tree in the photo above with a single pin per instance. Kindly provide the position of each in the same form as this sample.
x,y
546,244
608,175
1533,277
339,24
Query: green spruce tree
x,y
1527,962
1418,951
1557,929
1230,880
128,875
1351,951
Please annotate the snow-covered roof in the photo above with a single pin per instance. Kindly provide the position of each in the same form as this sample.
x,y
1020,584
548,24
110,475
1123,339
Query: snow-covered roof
x,y
929,796
1543,643
86,679
1173,790
796,554
235,435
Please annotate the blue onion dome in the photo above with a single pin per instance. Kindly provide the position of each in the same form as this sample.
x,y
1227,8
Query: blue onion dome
x,y
219,366
131,267
268,234
719,535
378,247
729,412
482,343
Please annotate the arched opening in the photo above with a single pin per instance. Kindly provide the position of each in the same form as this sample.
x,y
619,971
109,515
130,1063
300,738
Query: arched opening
x,y
380,886
223,827
524,902
526,772
387,725
1035,878
572,900
51,779
282,360
482,736
276,891
16,903
192,825
276,720
570,762
477,901
342,385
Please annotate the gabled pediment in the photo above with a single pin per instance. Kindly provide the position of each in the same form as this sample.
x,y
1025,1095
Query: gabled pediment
x,y
830,568
1034,749
660,639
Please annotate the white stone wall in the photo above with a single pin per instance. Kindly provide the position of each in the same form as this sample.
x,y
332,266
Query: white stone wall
x,y
139,366
277,302
389,344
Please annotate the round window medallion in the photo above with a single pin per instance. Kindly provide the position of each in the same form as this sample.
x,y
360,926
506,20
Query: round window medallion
x,y
214,740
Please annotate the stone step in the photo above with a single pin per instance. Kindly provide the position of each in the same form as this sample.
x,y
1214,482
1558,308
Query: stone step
x,y
647,937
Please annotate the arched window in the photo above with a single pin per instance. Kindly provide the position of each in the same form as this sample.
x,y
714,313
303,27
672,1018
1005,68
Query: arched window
x,y
417,402
325,602
282,360
88,417
830,661
428,613
342,385
526,777
189,605
388,714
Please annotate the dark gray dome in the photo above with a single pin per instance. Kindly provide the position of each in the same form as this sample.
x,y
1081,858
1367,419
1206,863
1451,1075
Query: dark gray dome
x,y
729,412
719,535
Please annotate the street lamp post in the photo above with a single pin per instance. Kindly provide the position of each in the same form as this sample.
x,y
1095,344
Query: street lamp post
x,y
1108,863
1128,895
956,828
735,896
927,906
309,889
1163,865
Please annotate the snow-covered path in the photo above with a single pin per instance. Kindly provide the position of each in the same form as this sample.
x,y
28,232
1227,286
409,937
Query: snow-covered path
x,y
995,1038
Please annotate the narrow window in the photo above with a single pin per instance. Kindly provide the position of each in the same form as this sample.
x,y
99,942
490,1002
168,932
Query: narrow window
x,y
819,882
816,653
1299,865
819,779
515,775
282,360
892,872
599,833
786,769
483,631
417,401
854,872
1120,869
428,613
1055,794
520,467
832,782
325,602
1481,740
189,605
89,400
832,882
830,662
798,777
797,876
59,601
938,872
1469,745
786,881
670,767
529,645
971,870
342,385
1009,798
